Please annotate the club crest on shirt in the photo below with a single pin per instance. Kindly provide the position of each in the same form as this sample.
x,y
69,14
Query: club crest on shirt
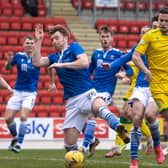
x,y
112,57
142,41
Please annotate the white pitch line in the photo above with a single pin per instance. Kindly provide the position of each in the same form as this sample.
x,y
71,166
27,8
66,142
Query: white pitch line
x,y
95,161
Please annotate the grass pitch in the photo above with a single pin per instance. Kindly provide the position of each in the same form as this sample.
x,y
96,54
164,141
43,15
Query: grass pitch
x,y
54,159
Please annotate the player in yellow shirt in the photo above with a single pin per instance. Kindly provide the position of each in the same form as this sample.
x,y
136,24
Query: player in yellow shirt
x,y
155,45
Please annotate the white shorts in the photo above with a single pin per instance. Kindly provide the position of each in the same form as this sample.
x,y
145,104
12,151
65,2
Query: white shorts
x,y
105,96
21,99
143,94
78,108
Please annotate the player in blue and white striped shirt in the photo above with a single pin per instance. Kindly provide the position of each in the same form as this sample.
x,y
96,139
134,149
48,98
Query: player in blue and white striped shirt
x,y
25,91
71,64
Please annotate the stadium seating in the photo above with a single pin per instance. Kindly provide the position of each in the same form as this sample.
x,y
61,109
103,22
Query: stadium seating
x,y
13,27
124,4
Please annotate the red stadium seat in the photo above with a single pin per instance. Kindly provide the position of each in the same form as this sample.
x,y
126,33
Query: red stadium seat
x,y
32,114
100,23
27,26
7,11
130,5
160,5
42,114
87,4
14,19
123,26
142,6
122,5
4,19
57,100
45,99
121,41
15,26
134,26
2,110
15,2
75,3
133,39
4,25
12,41
54,114
3,40
18,12
42,11
113,24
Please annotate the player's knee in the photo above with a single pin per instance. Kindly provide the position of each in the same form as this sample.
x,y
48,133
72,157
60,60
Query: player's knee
x,y
150,118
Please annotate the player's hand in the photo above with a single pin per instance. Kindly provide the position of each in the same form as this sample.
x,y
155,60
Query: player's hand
x,y
39,33
106,66
56,65
52,87
148,76
9,56
121,75
126,80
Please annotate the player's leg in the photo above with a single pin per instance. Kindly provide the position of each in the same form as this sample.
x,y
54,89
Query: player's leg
x,y
70,138
100,108
150,115
24,113
74,122
145,130
119,144
89,139
28,101
13,106
9,118
138,112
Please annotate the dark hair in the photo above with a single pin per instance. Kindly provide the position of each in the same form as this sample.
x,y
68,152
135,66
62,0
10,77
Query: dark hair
x,y
164,10
155,18
106,29
64,31
30,37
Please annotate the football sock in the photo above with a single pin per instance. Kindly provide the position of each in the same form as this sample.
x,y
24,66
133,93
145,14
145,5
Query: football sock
x,y
12,128
71,147
22,131
110,118
89,132
154,128
135,141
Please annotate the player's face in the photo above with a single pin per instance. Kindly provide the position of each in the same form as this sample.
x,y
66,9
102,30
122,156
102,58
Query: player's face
x,y
28,45
58,41
106,40
163,23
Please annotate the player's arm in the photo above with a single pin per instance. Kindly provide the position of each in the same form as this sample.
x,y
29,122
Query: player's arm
x,y
8,64
52,86
136,58
38,60
118,63
80,63
5,85
128,70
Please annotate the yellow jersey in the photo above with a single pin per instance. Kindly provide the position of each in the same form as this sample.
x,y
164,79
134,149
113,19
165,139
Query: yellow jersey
x,y
155,45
